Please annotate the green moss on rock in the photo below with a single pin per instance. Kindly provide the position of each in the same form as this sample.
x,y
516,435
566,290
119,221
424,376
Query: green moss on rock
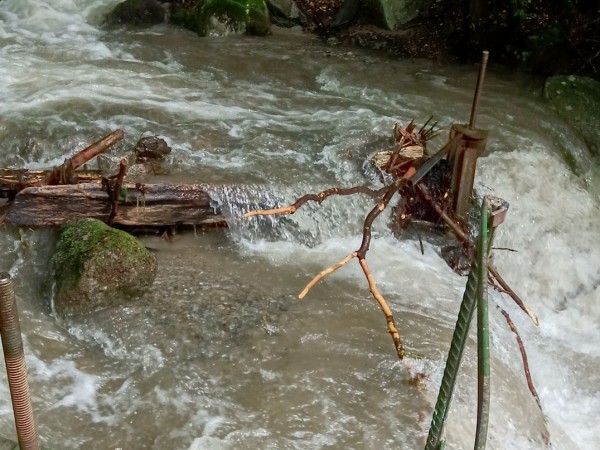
x,y
251,16
96,266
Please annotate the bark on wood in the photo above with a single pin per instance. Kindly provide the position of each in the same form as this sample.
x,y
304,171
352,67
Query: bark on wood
x,y
15,180
163,205
63,174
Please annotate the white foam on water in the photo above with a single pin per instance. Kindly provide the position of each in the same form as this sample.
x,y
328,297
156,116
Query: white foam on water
x,y
554,224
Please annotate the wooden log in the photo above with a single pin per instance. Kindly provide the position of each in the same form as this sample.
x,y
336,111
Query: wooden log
x,y
160,205
15,180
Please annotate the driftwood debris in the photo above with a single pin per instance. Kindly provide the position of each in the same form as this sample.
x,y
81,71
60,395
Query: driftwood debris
x,y
52,197
164,205
445,196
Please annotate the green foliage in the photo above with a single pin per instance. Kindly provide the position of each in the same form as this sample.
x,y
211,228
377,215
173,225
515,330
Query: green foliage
x,y
520,8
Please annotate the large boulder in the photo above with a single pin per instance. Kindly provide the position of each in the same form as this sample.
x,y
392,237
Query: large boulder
x,y
243,16
577,101
137,12
96,266
392,14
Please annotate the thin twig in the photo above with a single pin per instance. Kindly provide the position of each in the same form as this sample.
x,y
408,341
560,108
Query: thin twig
x,y
324,273
530,384
492,269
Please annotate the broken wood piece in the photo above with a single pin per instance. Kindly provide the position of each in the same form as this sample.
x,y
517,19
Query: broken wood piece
x,y
115,189
63,173
15,180
165,205
507,289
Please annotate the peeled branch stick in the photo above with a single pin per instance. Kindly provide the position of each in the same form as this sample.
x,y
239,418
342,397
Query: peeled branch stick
x,y
291,209
492,269
391,324
62,173
324,273
364,248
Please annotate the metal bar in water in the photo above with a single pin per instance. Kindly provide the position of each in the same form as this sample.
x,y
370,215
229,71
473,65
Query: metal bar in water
x,y
12,344
483,330
478,88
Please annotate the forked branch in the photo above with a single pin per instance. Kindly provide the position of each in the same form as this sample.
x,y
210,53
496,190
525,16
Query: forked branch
x,y
291,209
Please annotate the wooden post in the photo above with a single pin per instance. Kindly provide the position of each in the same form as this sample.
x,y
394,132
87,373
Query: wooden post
x,y
470,146
463,160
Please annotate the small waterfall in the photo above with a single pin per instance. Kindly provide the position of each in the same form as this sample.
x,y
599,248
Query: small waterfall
x,y
310,225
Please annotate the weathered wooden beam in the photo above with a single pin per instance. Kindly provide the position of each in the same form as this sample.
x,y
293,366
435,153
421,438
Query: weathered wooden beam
x,y
160,205
15,180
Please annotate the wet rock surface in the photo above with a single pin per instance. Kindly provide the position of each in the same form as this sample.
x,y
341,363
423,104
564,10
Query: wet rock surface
x,y
97,267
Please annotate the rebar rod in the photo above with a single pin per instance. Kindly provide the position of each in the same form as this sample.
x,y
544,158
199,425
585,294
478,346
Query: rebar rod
x,y
12,345
457,346
461,331
483,331
478,88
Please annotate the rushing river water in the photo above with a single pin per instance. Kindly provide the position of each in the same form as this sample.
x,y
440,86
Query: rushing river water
x,y
221,354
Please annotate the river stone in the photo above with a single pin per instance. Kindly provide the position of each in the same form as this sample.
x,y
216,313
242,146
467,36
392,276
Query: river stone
x,y
391,14
137,12
96,266
577,102
249,16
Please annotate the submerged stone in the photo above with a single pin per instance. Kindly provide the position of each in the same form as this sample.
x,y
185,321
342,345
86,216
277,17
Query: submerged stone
x,y
248,16
137,12
96,267
391,14
577,101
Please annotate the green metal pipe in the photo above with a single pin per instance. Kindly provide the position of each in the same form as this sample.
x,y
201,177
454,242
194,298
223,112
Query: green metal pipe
x,y
457,347
476,282
483,331
12,345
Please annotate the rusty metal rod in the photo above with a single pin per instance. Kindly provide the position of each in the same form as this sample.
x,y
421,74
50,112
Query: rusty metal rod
x,y
12,344
478,88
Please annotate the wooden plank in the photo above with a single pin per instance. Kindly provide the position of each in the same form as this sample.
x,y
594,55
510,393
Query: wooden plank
x,y
161,205
14,180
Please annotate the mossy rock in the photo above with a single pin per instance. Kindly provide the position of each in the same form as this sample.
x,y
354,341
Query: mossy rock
x,y
96,267
249,16
137,12
577,102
